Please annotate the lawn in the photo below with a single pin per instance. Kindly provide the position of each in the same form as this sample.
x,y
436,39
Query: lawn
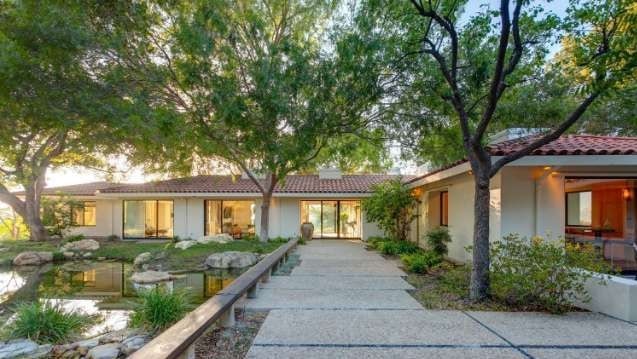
x,y
170,257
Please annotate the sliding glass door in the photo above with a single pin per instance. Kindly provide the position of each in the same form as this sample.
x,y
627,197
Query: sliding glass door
x,y
148,219
235,218
333,219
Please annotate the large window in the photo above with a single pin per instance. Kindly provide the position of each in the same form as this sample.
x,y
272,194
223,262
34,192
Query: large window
x,y
444,208
333,219
579,208
148,219
233,217
83,214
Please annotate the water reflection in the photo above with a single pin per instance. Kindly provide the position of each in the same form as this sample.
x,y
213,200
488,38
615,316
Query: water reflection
x,y
101,288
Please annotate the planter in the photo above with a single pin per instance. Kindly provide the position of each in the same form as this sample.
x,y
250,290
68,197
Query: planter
x,y
307,230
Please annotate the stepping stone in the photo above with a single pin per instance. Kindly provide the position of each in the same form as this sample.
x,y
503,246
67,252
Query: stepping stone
x,y
373,327
382,353
336,282
332,299
570,329
349,270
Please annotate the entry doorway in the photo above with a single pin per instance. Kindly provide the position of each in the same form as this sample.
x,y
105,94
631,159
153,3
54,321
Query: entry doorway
x,y
333,219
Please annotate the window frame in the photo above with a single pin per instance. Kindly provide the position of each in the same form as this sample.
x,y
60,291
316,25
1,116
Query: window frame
x,y
441,195
338,216
205,211
566,224
83,209
172,217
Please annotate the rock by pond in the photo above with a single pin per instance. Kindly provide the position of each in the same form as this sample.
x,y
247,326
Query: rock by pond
x,y
142,259
231,259
185,244
105,351
151,276
84,245
32,258
23,348
221,238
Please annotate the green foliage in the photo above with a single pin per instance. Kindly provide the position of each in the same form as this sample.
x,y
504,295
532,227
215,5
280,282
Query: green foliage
x,y
74,238
159,309
393,247
393,207
57,217
437,240
540,273
12,226
47,323
58,256
389,248
421,262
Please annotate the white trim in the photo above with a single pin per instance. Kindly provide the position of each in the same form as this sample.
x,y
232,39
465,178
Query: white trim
x,y
444,174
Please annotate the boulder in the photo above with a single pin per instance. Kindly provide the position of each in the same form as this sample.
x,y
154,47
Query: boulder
x,y
185,244
132,344
221,238
84,245
86,345
106,351
32,258
18,348
150,276
142,259
231,259
68,254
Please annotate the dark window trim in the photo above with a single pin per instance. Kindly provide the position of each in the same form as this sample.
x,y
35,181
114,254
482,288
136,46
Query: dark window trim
x,y
172,216
442,224
338,216
566,210
83,208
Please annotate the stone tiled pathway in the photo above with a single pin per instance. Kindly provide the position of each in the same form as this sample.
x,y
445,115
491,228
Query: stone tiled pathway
x,y
345,302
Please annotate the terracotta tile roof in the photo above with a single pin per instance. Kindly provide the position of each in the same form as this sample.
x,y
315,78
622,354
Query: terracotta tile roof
x,y
571,145
229,184
564,145
84,189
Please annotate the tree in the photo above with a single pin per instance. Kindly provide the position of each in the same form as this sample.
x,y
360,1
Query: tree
x,y
56,108
249,79
393,207
457,75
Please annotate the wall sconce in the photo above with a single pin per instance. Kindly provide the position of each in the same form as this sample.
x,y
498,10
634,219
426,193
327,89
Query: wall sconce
x,y
547,168
626,194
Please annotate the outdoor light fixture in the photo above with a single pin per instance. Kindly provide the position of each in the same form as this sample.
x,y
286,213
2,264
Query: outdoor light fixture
x,y
626,193
547,168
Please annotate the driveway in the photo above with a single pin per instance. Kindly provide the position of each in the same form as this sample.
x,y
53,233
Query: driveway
x,y
343,301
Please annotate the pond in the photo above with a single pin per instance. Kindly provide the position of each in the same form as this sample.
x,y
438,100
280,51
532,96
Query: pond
x,y
101,288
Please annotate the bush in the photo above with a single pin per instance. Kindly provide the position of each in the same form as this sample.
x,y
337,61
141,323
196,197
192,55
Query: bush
x,y
47,323
389,248
373,242
406,247
421,262
437,240
393,207
58,256
159,309
541,274
74,238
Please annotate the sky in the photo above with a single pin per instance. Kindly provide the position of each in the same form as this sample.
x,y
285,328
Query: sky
x,y
76,175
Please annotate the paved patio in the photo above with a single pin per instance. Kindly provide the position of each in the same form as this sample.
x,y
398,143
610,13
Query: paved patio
x,y
345,302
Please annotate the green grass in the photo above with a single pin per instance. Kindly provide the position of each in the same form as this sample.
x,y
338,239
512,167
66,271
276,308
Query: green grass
x,y
47,323
15,247
127,251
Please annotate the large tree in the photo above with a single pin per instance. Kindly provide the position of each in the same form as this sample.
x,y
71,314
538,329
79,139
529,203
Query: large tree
x,y
255,82
56,107
455,76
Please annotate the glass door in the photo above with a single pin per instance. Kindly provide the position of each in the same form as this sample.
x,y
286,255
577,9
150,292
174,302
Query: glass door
x,y
329,219
349,219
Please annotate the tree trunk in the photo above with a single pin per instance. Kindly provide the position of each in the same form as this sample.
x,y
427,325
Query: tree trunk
x,y
481,261
32,210
265,216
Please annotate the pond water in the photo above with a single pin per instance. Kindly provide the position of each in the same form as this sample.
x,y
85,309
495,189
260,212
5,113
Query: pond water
x,y
100,288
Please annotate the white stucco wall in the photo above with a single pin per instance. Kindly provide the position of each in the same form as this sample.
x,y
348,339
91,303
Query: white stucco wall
x,y
104,220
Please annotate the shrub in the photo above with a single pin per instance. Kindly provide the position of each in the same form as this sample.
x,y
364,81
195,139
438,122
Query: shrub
x,y
539,273
372,242
406,247
437,240
58,256
159,309
47,323
74,238
389,248
421,262
393,207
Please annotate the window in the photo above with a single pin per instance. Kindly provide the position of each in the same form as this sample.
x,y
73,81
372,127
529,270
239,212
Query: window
x,y
333,219
148,219
579,207
444,208
233,217
83,214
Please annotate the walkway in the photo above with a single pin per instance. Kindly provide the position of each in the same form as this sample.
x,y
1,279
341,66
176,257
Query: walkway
x,y
345,302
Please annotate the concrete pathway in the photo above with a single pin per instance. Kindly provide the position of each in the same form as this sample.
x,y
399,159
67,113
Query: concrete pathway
x,y
345,302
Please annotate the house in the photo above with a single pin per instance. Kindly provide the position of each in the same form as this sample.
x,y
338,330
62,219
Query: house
x,y
203,205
